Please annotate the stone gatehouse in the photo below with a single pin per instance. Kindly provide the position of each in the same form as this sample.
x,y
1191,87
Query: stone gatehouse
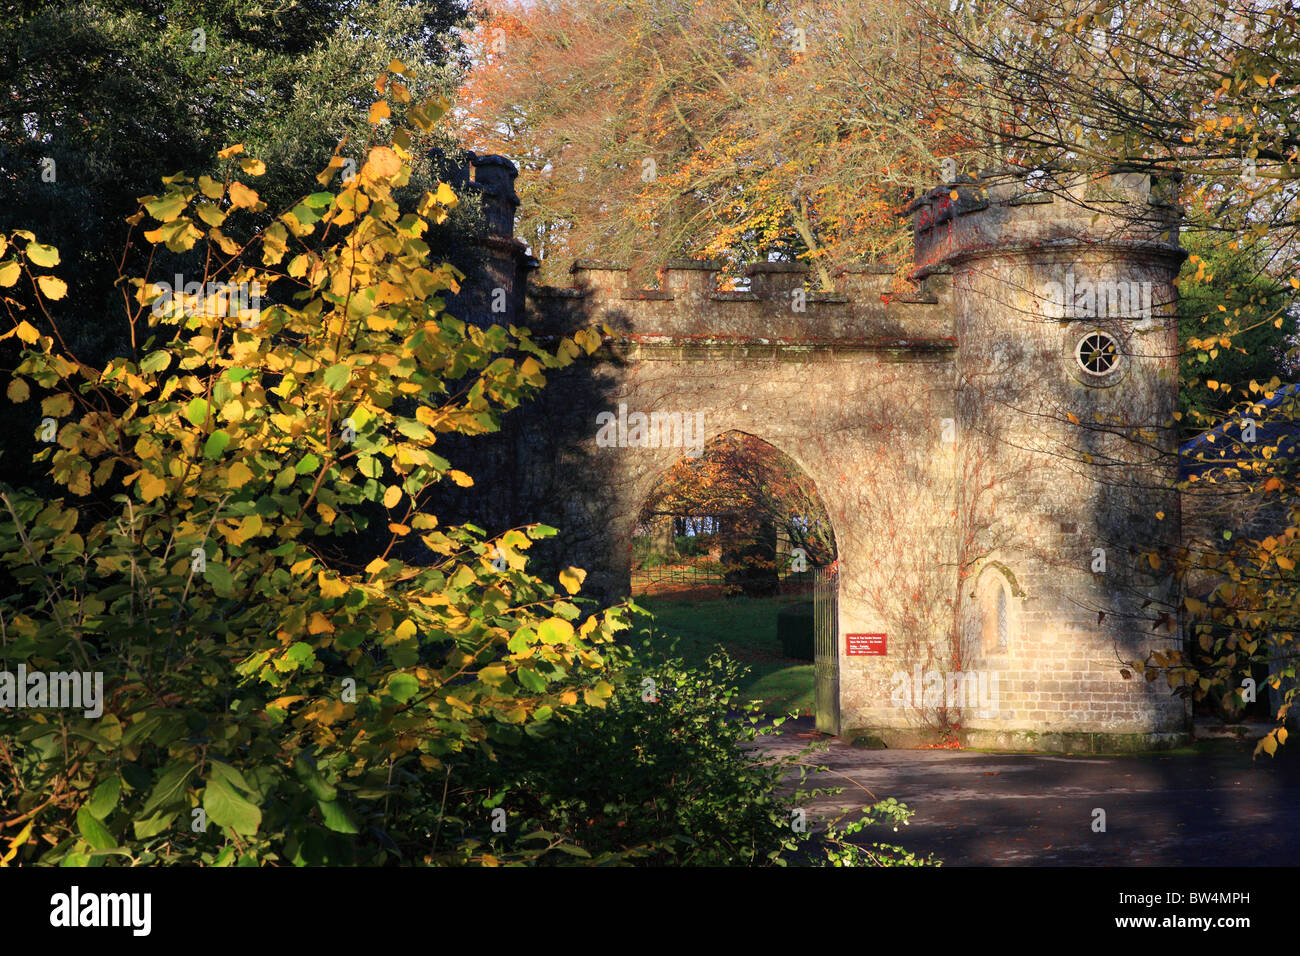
x,y
995,450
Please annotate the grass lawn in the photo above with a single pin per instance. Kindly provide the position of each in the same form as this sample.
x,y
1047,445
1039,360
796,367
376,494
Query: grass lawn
x,y
746,629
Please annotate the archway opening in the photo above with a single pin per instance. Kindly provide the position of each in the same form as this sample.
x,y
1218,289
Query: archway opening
x,y
728,549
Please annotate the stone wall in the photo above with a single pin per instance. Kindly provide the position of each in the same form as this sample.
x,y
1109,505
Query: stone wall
x,y
954,438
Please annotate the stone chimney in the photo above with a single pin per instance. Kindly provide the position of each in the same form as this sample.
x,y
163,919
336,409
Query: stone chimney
x,y
495,178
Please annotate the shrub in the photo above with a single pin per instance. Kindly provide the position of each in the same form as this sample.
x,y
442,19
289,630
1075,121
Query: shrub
x,y
260,705
665,773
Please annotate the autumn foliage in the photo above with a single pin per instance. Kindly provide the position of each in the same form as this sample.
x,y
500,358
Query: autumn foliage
x,y
261,705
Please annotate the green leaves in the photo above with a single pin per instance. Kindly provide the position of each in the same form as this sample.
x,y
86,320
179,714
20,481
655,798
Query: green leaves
x,y
227,807
196,412
104,799
309,775
403,687
275,677
170,786
336,817
216,444
93,830
336,377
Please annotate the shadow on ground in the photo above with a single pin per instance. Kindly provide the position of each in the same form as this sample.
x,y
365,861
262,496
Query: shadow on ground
x,y
1208,806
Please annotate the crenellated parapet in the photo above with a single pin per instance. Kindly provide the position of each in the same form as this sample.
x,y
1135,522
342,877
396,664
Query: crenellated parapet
x,y
777,311
1122,212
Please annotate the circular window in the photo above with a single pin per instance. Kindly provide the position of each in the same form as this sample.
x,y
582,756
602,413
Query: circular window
x,y
1097,354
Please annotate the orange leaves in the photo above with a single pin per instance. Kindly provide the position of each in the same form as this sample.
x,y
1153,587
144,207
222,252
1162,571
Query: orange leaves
x,y
242,197
381,164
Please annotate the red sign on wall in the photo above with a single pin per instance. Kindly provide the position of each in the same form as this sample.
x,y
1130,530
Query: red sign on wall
x,y
864,645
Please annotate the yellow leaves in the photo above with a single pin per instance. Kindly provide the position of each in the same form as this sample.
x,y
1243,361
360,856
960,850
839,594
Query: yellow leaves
x,y
326,174
230,151
331,587
405,631
18,391
392,496
210,214
446,196
179,235
253,167
150,486
211,188
301,567
326,513
1154,560
555,630
23,836
44,256
379,111
1285,563
400,530
460,478
1268,743
1273,484
239,533
242,197
238,475
397,66
572,578
589,339
224,242
57,405
1072,417
274,243
9,273
27,332
320,624
52,288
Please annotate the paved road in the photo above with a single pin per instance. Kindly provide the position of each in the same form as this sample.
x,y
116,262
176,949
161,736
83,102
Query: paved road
x,y
979,809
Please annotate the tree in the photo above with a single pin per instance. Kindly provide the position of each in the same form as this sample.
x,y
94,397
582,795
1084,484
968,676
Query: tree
x,y
257,704
1240,280
104,97
755,490
728,130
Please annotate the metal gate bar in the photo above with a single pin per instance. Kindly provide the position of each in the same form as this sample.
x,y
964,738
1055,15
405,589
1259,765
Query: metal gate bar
x,y
826,664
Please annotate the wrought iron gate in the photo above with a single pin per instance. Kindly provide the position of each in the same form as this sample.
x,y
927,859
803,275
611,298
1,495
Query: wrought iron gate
x,y
826,648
